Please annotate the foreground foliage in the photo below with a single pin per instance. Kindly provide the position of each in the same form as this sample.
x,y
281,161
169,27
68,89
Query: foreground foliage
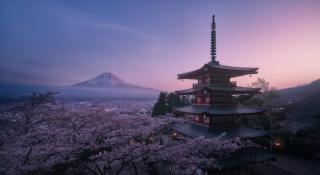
x,y
95,138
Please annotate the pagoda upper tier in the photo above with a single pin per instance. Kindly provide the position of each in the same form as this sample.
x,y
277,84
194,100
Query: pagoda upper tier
x,y
213,67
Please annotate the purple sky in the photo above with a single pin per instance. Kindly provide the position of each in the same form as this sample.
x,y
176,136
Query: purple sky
x,y
149,42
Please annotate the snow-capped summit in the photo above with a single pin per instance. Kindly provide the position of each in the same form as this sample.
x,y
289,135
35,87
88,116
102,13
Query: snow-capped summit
x,y
106,80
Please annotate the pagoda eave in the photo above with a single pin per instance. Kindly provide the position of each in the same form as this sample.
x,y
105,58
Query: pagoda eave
x,y
220,110
219,89
225,132
230,71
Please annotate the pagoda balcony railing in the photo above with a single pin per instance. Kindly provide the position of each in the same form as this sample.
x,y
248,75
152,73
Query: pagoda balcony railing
x,y
232,83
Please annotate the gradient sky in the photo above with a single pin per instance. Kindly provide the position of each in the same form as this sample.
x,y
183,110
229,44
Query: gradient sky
x,y
149,42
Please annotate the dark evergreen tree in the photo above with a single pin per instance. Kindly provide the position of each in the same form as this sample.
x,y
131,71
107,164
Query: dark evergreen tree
x,y
161,107
167,102
173,101
184,101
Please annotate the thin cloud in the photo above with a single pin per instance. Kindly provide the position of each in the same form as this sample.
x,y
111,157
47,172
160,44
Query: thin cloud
x,y
75,18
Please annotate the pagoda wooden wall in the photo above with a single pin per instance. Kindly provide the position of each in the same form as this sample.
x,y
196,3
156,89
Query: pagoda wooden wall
x,y
214,120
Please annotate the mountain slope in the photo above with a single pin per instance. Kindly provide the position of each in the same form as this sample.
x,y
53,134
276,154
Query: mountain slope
x,y
306,108
108,80
102,87
300,92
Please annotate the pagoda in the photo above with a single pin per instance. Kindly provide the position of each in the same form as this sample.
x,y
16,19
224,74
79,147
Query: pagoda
x,y
215,110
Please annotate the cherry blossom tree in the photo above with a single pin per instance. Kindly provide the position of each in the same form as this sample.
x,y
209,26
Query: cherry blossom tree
x,y
88,139
28,108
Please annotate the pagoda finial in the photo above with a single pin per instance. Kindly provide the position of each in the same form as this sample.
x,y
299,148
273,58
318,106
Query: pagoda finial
x,y
213,42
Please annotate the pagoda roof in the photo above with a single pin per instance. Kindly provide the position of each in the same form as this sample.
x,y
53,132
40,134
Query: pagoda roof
x,y
220,110
219,88
224,132
218,68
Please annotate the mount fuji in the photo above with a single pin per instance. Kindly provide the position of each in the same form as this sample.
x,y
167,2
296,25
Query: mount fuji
x,y
108,80
102,87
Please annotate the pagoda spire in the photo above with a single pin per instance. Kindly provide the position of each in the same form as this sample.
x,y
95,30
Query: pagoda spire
x,y
213,42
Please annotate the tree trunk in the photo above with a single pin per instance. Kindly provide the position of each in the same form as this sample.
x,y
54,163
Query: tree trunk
x,y
135,168
27,123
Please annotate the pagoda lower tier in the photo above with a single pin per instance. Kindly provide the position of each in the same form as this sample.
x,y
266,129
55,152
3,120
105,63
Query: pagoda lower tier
x,y
219,110
244,156
194,130
217,115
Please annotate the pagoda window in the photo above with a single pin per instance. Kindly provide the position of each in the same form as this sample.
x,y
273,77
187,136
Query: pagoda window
x,y
208,80
208,100
198,99
196,118
199,81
